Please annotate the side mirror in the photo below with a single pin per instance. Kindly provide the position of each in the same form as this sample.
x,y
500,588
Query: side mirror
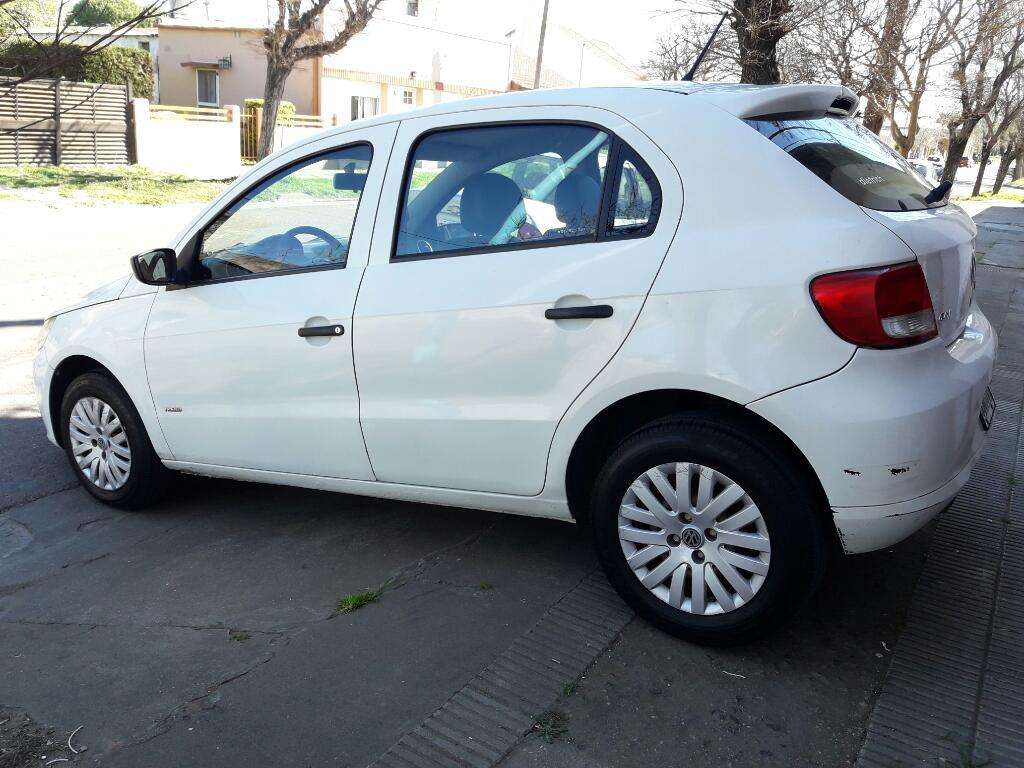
x,y
159,267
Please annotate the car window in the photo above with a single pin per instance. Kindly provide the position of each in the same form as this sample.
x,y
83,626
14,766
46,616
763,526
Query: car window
x,y
485,187
850,159
299,218
635,202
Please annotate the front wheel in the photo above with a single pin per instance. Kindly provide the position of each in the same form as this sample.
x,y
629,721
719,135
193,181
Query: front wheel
x,y
706,528
107,444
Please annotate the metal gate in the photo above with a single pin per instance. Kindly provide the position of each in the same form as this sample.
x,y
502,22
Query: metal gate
x,y
54,122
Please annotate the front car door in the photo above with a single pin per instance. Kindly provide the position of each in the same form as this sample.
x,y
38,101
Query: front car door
x,y
522,248
250,364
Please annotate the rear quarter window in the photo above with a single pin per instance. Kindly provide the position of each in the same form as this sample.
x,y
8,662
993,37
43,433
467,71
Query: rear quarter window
x,y
850,159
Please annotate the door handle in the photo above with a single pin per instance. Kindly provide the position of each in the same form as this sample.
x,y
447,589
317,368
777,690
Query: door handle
x,y
595,311
322,330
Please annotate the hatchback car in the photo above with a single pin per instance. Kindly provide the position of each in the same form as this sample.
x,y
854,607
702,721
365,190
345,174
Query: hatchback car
x,y
723,327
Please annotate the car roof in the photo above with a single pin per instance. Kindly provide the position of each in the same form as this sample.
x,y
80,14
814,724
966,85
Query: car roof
x,y
740,99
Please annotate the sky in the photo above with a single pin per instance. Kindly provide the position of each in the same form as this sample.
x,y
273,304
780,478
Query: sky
x,y
631,28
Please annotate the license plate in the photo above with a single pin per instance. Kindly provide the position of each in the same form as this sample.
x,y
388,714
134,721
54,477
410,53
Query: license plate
x,y
988,410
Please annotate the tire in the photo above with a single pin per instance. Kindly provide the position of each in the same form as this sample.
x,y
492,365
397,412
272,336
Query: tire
x,y
709,605
131,482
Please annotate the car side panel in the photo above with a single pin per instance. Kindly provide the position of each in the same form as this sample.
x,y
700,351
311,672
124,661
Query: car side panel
x,y
110,333
730,312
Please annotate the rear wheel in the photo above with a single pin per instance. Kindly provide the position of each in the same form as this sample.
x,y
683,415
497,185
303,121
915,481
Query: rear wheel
x,y
107,444
707,529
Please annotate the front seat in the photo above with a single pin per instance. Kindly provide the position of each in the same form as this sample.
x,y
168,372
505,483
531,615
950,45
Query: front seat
x,y
577,199
487,201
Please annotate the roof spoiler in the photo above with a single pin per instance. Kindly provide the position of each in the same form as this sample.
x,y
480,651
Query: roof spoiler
x,y
784,99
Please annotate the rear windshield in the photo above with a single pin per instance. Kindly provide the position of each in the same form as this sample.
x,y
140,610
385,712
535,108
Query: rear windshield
x,y
850,159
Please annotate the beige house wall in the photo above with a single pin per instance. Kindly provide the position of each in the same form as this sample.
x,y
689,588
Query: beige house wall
x,y
244,80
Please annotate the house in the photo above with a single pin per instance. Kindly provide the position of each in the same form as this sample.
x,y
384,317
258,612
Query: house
x,y
207,63
413,53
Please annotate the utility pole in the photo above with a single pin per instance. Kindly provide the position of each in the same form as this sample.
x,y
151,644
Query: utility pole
x,y
540,44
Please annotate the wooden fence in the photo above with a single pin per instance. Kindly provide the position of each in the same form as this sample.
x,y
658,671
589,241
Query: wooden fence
x,y
252,123
53,122
201,114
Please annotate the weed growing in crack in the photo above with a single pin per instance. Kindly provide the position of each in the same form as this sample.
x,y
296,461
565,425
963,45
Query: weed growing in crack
x,y
569,688
964,755
486,585
552,726
357,600
239,635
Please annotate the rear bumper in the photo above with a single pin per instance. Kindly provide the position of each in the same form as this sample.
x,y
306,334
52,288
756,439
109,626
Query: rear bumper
x,y
865,529
894,435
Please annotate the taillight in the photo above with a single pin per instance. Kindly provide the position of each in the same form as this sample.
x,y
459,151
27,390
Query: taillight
x,y
883,307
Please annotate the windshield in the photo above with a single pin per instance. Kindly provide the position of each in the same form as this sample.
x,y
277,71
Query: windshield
x,y
850,159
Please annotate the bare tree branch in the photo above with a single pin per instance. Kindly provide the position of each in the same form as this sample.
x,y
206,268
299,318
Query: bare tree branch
x,y
296,35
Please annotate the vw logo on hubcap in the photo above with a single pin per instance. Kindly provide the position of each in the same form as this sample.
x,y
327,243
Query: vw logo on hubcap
x,y
692,538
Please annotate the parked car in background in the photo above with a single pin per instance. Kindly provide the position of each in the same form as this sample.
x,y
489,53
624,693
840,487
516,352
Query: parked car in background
x,y
966,162
552,305
930,172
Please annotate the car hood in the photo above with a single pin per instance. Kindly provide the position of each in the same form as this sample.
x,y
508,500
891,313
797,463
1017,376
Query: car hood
x,y
108,292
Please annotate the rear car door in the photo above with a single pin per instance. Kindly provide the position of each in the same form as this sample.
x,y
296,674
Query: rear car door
x,y
513,251
250,363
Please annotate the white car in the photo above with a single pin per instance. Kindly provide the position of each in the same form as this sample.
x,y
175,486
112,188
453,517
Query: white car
x,y
723,326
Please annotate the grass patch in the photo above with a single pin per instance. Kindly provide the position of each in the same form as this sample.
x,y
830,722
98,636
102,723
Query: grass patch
x,y
317,187
552,726
357,600
1013,197
109,184
239,635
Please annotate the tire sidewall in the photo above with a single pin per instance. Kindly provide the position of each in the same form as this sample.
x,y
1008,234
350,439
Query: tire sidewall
x,y
787,510
101,387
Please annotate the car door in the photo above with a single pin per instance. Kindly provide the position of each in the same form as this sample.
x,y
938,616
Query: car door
x,y
511,257
250,363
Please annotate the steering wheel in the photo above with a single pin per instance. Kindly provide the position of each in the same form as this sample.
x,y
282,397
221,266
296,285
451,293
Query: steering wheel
x,y
306,229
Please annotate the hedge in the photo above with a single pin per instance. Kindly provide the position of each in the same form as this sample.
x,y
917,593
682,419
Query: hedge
x,y
121,66
98,13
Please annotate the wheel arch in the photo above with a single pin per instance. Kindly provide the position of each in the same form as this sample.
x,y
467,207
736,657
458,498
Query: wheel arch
x,y
69,369
615,422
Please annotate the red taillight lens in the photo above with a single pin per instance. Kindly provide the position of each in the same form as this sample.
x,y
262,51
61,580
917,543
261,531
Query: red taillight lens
x,y
883,307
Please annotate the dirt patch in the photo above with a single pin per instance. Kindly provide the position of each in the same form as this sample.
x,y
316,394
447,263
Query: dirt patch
x,y
23,742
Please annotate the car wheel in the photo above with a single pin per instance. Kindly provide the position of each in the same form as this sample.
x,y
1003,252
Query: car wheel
x,y
107,443
707,528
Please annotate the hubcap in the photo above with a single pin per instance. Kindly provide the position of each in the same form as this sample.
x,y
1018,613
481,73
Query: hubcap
x,y
100,444
694,538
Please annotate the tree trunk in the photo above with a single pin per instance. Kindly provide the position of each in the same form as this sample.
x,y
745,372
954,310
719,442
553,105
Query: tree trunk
x,y
885,64
277,73
986,150
759,27
958,138
1004,167
1018,169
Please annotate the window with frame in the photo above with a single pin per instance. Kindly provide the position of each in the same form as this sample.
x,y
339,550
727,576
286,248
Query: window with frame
x,y
637,198
408,97
299,218
207,88
364,106
500,186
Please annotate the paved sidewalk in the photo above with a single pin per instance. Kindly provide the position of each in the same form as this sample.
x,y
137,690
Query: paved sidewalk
x,y
953,693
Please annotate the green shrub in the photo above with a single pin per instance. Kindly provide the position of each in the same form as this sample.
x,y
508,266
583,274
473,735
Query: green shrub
x,y
121,66
97,13
285,109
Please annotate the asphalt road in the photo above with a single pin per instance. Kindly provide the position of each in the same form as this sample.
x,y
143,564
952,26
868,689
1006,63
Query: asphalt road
x,y
204,631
